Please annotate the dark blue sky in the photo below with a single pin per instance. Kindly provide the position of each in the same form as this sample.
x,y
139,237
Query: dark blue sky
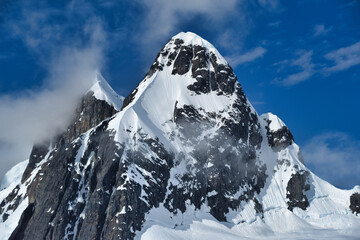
x,y
297,59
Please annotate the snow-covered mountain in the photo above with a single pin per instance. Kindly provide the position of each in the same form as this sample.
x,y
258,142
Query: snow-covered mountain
x,y
186,157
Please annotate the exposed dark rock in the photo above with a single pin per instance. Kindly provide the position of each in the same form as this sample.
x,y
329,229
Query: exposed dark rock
x,y
355,203
225,79
10,203
18,233
201,59
222,79
129,98
296,188
89,113
172,55
200,71
38,153
258,207
280,138
183,60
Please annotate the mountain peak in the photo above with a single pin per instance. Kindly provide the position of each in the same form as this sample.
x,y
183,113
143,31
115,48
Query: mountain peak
x,y
275,123
102,91
187,66
190,38
187,35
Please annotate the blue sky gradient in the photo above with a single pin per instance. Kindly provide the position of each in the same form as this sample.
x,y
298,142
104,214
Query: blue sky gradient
x,y
297,59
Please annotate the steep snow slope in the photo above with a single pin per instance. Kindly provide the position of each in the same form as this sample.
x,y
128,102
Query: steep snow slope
x,y
187,157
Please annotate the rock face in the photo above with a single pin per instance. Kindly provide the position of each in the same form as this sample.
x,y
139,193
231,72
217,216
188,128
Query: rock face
x,y
355,203
296,188
88,114
186,141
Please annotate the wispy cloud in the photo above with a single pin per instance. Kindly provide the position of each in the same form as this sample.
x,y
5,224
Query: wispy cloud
x,y
343,58
334,157
274,24
249,56
304,62
164,17
70,60
320,30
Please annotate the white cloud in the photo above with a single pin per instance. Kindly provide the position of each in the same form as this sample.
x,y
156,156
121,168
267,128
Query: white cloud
x,y
71,63
304,61
334,157
163,17
249,56
321,30
343,58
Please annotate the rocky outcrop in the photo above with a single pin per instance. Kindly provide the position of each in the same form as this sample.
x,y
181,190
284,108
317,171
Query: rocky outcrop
x,y
296,188
355,203
89,113
280,138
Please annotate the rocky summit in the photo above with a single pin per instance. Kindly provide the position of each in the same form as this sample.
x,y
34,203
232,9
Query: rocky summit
x,y
184,155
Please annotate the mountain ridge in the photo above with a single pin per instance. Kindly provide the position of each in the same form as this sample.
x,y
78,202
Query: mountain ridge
x,y
187,146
